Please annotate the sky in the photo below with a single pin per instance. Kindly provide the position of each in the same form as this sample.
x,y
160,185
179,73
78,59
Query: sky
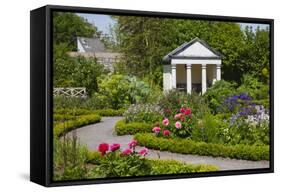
x,y
103,22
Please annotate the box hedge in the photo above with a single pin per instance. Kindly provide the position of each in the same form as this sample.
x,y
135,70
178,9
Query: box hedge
x,y
63,127
78,111
188,146
132,128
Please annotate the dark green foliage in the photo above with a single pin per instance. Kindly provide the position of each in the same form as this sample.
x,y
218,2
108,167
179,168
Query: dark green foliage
x,y
123,128
145,41
76,71
68,26
217,94
254,59
187,146
69,160
255,88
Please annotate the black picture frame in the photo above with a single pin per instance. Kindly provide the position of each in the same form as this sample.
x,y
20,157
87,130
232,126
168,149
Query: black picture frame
x,y
41,93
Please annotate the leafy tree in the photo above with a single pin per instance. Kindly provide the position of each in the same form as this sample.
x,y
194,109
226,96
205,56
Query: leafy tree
x,y
255,55
68,26
75,71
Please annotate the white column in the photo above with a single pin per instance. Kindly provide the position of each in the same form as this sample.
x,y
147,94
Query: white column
x,y
204,79
218,72
188,78
174,76
214,72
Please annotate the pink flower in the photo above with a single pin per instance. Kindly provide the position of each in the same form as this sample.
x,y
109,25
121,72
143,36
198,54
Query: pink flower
x,y
166,122
156,129
166,132
178,125
143,151
114,146
103,148
132,144
127,152
177,116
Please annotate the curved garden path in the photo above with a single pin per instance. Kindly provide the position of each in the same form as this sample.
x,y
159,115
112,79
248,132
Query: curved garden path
x,y
93,135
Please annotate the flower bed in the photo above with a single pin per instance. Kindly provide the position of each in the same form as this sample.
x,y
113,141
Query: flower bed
x,y
132,128
111,161
61,128
188,146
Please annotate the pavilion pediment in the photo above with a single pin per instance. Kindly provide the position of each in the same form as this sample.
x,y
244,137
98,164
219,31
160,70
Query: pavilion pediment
x,y
196,48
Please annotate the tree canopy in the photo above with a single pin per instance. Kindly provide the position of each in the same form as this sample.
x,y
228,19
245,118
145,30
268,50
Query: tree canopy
x,y
145,40
68,26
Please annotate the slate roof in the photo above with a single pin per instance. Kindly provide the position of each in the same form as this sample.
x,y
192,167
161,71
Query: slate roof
x,y
175,52
92,44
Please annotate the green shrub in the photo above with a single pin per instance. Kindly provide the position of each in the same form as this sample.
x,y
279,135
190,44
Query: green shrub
x,y
187,146
90,103
255,88
217,93
172,101
120,91
160,167
114,164
208,129
132,128
63,127
78,111
143,113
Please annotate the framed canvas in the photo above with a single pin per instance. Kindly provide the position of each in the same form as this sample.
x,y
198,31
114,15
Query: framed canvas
x,y
125,95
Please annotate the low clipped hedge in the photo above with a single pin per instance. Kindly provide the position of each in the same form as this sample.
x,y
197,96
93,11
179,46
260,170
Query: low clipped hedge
x,y
123,128
63,127
160,167
101,112
187,146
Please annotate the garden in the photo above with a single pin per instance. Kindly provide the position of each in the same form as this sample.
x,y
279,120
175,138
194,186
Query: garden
x,y
230,121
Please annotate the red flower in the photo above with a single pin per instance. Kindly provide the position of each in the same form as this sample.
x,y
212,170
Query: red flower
x,y
182,110
166,132
114,146
103,148
187,111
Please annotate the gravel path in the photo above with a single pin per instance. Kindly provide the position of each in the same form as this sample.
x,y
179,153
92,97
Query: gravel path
x,y
93,135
